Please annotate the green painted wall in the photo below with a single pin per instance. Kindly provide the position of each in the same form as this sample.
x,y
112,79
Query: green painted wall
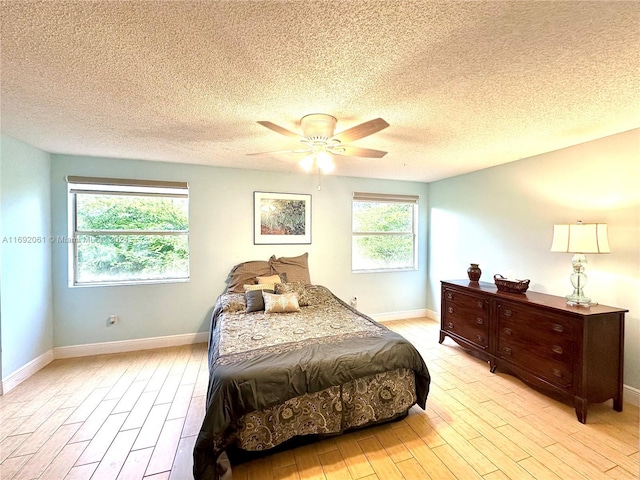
x,y
25,291
503,217
221,235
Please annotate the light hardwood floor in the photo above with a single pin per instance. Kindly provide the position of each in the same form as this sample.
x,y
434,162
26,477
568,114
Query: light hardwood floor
x,y
136,415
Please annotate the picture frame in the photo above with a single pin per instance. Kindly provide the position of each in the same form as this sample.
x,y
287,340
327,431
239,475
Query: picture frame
x,y
281,218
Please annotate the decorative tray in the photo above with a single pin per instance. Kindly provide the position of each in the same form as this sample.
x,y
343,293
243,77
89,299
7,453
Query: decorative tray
x,y
510,286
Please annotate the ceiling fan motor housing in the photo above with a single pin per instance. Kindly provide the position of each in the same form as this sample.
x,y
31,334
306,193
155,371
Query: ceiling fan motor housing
x,y
318,125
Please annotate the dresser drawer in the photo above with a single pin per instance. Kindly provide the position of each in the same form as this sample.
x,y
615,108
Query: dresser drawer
x,y
461,306
545,323
478,319
548,357
468,301
554,372
471,332
556,347
466,316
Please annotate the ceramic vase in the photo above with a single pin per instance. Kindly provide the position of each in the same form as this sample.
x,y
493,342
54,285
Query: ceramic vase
x,y
474,272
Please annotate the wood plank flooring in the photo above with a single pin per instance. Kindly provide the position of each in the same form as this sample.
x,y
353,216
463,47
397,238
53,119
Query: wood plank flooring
x,y
136,416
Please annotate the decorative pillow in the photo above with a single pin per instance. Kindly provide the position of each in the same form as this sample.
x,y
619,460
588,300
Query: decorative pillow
x,y
232,303
295,287
246,273
260,286
287,302
270,279
254,300
319,295
296,268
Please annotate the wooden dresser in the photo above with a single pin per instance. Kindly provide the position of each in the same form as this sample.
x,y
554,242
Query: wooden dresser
x,y
576,352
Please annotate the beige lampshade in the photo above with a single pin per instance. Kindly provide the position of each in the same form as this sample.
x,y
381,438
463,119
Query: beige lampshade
x,y
580,238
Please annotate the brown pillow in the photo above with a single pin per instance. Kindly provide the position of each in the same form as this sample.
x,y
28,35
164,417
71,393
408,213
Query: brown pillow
x,y
296,268
246,273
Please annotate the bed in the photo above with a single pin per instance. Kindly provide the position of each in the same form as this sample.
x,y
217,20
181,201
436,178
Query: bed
x,y
290,359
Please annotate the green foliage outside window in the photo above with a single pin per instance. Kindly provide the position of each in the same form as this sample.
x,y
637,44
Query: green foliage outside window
x,y
127,238
383,235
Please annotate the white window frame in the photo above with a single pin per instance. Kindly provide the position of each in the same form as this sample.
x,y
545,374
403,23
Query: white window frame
x,y
118,186
387,198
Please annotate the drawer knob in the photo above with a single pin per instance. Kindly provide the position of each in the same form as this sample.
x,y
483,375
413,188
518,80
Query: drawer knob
x,y
557,349
480,338
449,296
450,309
557,372
507,313
556,327
450,325
506,350
479,321
507,331
479,304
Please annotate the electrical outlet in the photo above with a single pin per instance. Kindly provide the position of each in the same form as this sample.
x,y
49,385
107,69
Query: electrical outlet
x,y
113,319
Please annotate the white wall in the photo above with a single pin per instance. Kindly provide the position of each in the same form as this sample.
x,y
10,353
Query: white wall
x,y
25,291
503,217
221,235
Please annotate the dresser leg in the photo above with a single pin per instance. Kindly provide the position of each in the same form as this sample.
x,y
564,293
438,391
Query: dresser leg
x,y
441,336
581,409
617,404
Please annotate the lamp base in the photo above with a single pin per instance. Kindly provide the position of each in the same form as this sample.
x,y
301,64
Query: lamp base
x,y
575,300
578,280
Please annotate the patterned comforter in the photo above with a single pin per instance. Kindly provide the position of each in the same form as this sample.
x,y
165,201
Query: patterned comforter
x,y
328,362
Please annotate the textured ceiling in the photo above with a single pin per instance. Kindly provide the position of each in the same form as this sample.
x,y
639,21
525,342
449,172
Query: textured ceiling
x,y
464,85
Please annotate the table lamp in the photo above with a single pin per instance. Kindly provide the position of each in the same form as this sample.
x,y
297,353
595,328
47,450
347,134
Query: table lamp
x,y
580,238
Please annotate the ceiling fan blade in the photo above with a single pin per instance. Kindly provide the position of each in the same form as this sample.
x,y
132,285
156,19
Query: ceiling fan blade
x,y
279,129
359,152
361,131
280,151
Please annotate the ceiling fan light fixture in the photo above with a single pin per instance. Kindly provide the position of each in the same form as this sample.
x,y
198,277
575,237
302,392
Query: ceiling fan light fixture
x,y
307,162
320,159
325,162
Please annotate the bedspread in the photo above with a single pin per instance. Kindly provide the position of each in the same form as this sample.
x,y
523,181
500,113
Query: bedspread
x,y
259,360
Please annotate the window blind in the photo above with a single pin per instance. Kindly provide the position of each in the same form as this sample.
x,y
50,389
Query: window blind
x,y
384,197
127,186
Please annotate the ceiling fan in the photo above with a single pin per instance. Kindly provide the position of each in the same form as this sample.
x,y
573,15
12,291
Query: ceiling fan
x,y
320,142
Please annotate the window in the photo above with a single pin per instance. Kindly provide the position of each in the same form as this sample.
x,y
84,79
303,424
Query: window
x,y
127,231
384,233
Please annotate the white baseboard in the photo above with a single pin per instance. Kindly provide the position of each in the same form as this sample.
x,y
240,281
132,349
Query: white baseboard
x,y
16,378
129,345
631,395
387,317
433,315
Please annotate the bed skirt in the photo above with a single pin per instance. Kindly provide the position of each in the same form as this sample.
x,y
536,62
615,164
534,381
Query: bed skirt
x,y
367,400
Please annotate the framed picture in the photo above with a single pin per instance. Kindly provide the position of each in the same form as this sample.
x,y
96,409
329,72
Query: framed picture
x,y
281,218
